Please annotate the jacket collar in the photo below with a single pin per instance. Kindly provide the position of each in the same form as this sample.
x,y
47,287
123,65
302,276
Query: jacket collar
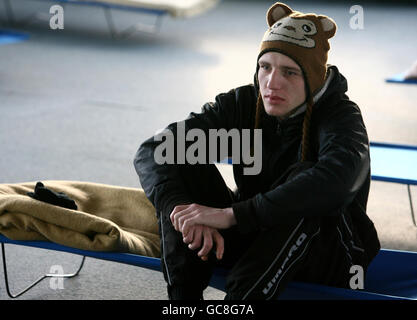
x,y
302,108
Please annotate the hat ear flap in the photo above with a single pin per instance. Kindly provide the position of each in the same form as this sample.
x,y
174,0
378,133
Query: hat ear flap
x,y
328,25
277,12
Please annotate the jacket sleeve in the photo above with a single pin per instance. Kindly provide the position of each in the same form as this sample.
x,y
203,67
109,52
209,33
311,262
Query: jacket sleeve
x,y
162,182
343,166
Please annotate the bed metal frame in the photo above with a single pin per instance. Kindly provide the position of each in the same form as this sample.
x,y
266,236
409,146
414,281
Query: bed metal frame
x,y
114,32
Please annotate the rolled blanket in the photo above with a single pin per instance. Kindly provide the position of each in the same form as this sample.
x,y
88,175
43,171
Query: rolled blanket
x,y
108,218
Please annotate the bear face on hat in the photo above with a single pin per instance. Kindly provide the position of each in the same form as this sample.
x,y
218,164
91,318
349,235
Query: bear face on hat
x,y
297,31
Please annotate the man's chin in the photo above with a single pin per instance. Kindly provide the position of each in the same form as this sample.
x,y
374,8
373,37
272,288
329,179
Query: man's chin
x,y
275,111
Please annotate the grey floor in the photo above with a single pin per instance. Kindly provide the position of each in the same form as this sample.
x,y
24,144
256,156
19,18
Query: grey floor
x,y
75,105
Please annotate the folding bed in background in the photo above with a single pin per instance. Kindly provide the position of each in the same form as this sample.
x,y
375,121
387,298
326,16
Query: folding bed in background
x,y
157,8
395,163
399,78
392,274
407,77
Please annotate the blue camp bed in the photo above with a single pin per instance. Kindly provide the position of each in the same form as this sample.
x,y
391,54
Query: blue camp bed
x,y
395,163
391,276
399,78
158,8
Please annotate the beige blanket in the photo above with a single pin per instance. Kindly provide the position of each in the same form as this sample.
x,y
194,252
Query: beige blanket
x,y
109,218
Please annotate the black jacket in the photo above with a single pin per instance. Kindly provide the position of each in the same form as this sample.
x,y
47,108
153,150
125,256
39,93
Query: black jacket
x,y
340,177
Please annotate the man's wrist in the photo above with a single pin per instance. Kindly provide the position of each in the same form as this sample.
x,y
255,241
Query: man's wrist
x,y
230,215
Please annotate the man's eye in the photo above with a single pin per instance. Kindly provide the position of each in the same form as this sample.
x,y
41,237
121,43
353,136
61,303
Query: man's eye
x,y
291,73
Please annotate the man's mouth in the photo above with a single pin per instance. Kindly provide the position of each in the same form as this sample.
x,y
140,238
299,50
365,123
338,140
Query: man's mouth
x,y
274,98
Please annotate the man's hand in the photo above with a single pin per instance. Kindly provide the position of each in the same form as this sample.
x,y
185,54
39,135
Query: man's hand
x,y
183,217
198,225
205,237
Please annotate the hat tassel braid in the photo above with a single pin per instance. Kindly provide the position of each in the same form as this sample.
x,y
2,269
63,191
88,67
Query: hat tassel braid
x,y
305,142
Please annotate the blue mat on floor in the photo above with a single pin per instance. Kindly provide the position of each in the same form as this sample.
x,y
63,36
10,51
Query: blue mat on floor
x,y
399,78
8,36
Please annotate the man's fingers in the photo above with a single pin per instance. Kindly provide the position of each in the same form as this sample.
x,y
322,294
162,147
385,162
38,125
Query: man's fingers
x,y
188,221
198,237
207,244
207,237
177,213
189,237
219,240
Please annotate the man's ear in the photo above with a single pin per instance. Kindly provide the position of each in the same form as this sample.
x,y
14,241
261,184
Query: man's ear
x,y
328,25
276,12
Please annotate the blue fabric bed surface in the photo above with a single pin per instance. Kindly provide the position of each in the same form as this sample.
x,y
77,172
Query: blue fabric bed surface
x,y
9,36
394,163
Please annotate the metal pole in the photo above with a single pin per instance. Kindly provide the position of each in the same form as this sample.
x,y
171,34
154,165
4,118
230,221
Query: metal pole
x,y
411,205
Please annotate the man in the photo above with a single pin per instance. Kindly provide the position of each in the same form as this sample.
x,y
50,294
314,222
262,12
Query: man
x,y
303,216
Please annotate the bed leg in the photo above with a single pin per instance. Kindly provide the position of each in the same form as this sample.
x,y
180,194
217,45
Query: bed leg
x,y
9,12
48,275
110,22
413,217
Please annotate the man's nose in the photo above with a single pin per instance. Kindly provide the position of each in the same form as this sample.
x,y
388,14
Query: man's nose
x,y
275,80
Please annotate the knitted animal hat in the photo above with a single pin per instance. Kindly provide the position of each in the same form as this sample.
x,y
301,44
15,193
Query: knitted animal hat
x,y
303,38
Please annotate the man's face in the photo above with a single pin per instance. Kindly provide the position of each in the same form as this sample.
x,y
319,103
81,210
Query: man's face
x,y
281,84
